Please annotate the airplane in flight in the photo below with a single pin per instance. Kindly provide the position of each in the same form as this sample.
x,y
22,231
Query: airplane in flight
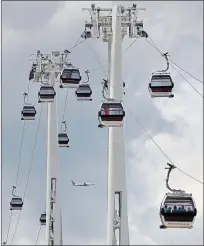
x,y
82,184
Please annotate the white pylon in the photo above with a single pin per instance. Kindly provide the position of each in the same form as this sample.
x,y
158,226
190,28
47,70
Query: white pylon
x,y
117,222
52,203
112,28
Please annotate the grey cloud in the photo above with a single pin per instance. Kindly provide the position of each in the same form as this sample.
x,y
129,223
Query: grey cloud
x,y
84,210
151,217
30,16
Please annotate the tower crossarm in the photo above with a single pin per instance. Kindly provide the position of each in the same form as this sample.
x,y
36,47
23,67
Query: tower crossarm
x,y
40,64
100,23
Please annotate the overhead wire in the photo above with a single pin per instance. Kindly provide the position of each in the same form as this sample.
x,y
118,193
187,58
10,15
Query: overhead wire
x,y
20,154
29,172
18,165
64,110
186,72
66,97
77,43
39,230
130,45
101,66
9,225
155,47
186,80
96,69
153,138
138,121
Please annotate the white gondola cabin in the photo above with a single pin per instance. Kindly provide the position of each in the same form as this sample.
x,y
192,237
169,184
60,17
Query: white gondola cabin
x,y
46,94
63,140
28,113
43,219
83,92
70,78
111,114
16,203
161,85
178,210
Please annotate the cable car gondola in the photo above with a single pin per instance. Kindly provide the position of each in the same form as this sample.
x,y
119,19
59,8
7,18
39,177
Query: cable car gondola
x,y
63,140
83,92
178,209
111,114
28,112
70,78
43,219
46,94
161,84
16,203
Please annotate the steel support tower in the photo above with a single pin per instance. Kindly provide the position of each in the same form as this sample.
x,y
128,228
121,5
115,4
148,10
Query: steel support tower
x,y
52,202
113,27
117,224
47,68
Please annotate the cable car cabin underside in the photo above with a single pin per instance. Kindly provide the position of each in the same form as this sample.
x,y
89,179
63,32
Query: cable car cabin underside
x,y
16,203
161,85
111,115
43,219
112,121
177,220
83,93
28,113
177,211
46,94
70,78
46,98
63,140
161,92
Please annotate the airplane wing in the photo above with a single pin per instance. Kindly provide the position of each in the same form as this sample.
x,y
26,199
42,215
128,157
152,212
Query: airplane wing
x,y
87,184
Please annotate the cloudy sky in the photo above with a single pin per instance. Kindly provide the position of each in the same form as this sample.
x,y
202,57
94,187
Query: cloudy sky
x,y
176,124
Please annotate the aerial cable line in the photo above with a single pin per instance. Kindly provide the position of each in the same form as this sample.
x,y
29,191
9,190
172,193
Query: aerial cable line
x,y
20,154
151,136
76,44
64,110
130,45
155,47
186,72
134,116
18,167
38,235
102,66
186,80
9,225
26,186
19,158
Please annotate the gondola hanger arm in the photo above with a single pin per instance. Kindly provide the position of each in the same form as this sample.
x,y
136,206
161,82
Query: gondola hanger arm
x,y
13,191
87,74
166,55
65,125
170,168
